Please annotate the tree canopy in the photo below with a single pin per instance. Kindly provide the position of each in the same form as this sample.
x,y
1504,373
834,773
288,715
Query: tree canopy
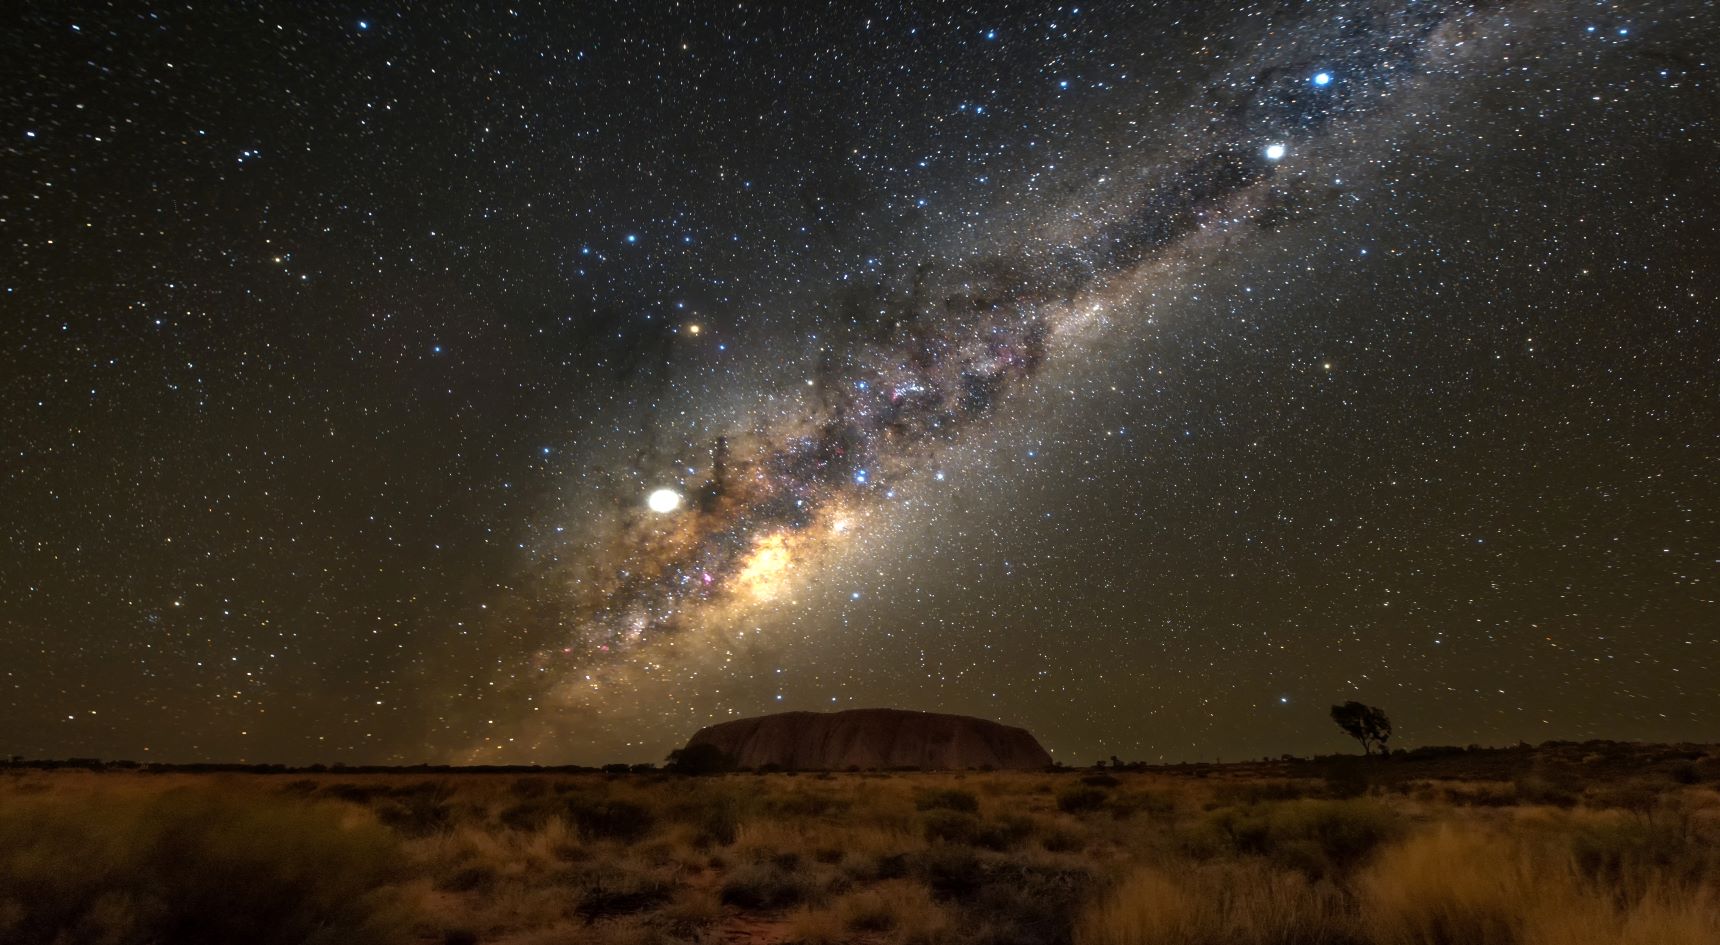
x,y
1364,723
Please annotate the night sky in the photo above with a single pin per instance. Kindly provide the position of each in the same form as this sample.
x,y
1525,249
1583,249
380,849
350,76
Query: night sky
x,y
539,383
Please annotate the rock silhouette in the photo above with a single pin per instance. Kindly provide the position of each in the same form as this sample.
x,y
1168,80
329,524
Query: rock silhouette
x,y
873,738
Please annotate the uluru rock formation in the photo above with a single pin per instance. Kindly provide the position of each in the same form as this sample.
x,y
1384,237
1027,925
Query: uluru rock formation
x,y
873,738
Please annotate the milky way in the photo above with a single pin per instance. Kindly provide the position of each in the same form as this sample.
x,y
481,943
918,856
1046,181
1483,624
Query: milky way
x,y
936,351
543,382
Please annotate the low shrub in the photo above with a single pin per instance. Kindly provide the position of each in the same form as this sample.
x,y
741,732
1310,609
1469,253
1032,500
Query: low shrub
x,y
949,826
716,814
1079,799
951,872
1318,837
691,911
954,799
419,810
1539,790
1062,840
1029,901
1481,795
903,908
476,877
1157,804
766,886
623,893
530,815
1348,778
610,819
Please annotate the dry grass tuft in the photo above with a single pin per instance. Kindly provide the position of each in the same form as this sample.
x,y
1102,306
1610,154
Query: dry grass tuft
x,y
1231,903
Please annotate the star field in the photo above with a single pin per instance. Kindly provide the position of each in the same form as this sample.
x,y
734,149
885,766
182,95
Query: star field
x,y
539,384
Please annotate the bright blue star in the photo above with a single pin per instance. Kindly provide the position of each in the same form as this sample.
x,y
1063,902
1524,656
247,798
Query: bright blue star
x,y
632,238
1322,78
364,24
991,34
860,476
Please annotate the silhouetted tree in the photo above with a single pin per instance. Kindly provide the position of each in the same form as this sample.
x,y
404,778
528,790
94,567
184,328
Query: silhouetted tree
x,y
1365,724
703,758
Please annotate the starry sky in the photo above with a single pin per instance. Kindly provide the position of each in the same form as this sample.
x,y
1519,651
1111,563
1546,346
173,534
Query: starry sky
x,y
539,382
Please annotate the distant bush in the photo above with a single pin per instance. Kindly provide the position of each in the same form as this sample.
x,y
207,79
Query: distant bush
x,y
1540,790
1347,778
1639,799
530,787
1254,792
1481,795
809,803
701,759
356,793
1157,804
